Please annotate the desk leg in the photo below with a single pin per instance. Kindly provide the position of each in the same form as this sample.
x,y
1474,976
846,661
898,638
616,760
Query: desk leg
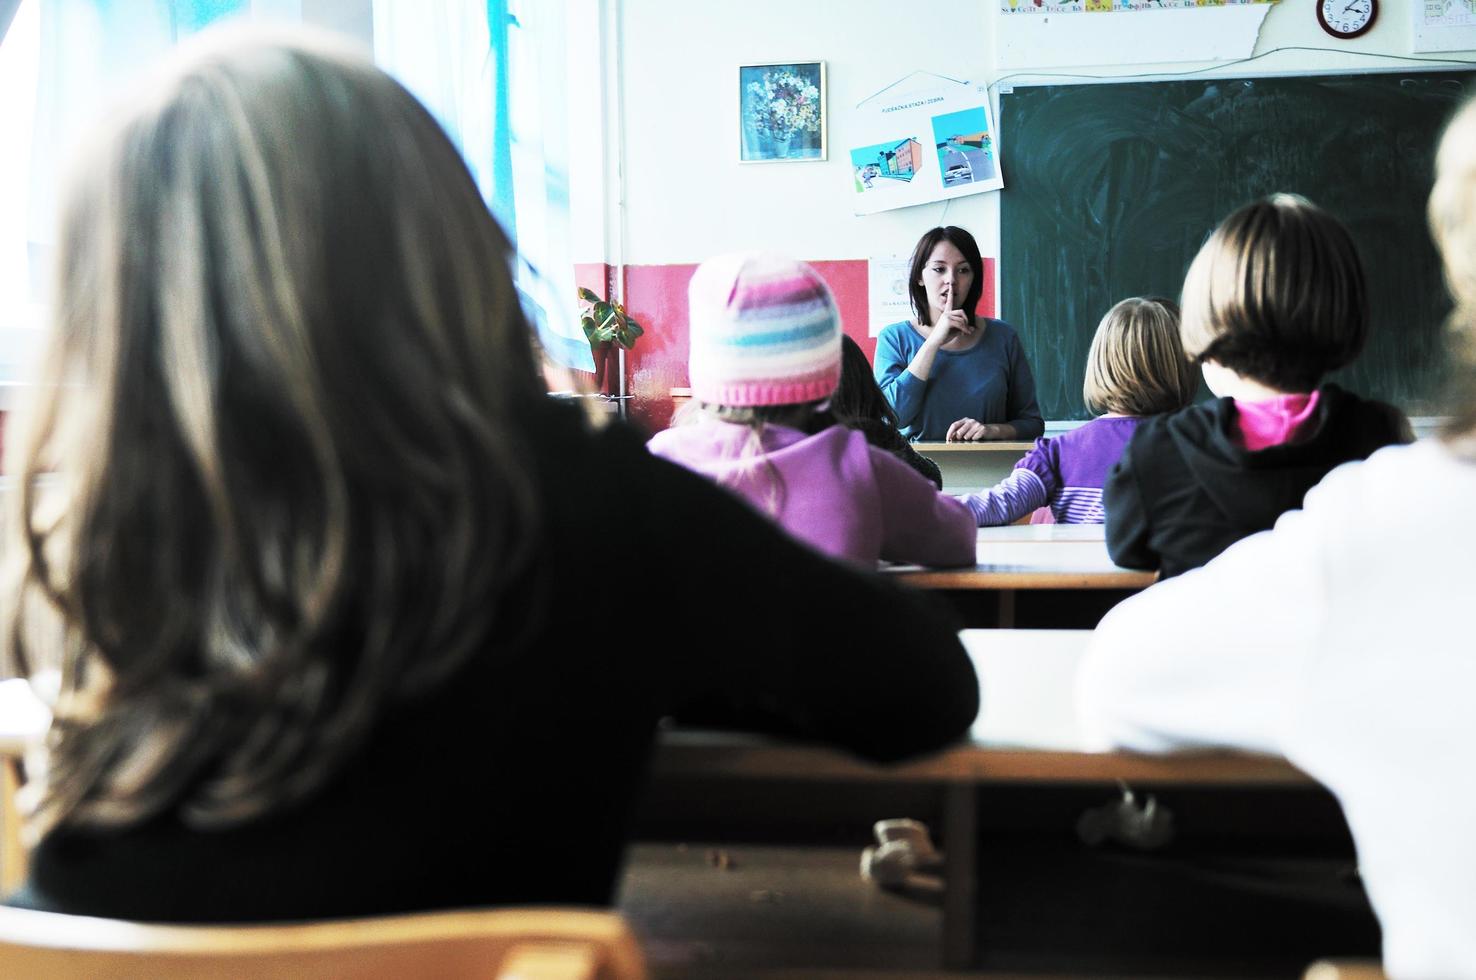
x,y
1006,620
960,899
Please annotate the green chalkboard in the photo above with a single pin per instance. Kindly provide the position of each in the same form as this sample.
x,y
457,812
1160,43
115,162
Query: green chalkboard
x,y
1110,189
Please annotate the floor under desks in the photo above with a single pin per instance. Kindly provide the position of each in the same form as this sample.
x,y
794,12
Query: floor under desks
x,y
1255,884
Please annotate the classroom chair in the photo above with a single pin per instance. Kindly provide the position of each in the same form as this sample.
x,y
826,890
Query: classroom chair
x,y
12,855
506,944
1345,970
23,722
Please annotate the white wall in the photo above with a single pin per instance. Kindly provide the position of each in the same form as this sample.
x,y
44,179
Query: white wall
x,y
687,197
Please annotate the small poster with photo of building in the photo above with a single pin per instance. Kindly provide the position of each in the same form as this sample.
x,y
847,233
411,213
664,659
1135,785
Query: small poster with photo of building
x,y
884,165
926,139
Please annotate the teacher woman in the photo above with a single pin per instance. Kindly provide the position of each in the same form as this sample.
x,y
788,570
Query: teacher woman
x,y
952,378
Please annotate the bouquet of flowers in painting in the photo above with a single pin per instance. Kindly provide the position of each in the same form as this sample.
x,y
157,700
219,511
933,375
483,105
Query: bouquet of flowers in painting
x,y
783,112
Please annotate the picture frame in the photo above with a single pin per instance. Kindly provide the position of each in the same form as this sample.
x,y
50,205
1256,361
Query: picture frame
x,y
781,112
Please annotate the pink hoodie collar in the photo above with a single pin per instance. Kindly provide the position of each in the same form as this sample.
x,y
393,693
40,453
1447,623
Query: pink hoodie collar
x,y
1274,421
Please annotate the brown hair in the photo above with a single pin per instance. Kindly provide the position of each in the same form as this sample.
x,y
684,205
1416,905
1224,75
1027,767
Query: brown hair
x,y
1136,364
960,240
280,394
1277,294
1452,213
858,398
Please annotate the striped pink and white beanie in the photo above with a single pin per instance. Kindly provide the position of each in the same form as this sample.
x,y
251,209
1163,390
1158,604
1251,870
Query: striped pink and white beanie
x,y
764,331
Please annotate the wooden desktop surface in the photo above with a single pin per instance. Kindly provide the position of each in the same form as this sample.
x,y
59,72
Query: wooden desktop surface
x,y
1033,556
1026,732
936,448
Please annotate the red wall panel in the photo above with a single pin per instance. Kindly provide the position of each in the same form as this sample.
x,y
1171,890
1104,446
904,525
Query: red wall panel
x,y
656,295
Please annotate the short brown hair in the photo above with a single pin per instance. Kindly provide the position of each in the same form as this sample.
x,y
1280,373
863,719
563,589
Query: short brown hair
x,y
1277,294
923,250
1136,365
1452,214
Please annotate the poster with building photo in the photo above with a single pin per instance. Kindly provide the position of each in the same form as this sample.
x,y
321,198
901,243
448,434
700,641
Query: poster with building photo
x,y
922,140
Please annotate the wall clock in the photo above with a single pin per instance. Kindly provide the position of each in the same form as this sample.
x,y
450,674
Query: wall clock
x,y
1346,18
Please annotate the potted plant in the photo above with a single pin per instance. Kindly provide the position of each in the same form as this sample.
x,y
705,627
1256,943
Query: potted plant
x,y
605,324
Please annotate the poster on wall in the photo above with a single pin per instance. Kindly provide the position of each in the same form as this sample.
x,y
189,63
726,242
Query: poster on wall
x,y
1443,25
921,140
886,281
1158,34
1112,6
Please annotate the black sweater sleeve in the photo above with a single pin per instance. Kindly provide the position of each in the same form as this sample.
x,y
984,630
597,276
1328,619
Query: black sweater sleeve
x,y
778,638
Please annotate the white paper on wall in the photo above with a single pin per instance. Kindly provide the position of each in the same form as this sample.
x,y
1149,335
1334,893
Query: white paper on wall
x,y
886,282
923,139
1442,25
1123,37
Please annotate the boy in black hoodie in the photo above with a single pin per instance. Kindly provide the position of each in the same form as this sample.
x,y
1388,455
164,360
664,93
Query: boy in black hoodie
x,y
1273,302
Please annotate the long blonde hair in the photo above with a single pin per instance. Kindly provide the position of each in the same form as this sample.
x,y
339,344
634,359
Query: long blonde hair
x,y
281,397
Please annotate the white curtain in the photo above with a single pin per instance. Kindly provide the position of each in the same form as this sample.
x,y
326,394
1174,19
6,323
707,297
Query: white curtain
x,y
492,72
60,64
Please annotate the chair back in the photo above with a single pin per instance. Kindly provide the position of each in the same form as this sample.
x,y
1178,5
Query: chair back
x,y
1345,970
12,854
23,722
526,944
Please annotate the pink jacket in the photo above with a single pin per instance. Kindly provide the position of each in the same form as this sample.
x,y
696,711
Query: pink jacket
x,y
832,490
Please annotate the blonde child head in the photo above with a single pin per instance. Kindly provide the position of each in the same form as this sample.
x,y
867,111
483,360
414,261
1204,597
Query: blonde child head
x,y
1136,364
1277,295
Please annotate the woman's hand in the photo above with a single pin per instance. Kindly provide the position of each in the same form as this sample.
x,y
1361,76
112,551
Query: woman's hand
x,y
967,430
970,430
949,324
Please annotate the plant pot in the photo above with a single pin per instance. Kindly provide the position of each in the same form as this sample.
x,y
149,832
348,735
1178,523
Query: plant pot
x,y
602,359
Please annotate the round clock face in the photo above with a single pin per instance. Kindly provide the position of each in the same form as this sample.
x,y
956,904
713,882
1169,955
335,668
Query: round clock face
x,y
1346,18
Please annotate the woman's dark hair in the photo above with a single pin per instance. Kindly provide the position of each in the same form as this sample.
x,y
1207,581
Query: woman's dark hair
x,y
858,403
282,398
858,397
960,240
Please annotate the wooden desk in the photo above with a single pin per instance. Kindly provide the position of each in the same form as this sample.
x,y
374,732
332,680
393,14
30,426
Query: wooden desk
x,y
1026,734
1063,559
968,467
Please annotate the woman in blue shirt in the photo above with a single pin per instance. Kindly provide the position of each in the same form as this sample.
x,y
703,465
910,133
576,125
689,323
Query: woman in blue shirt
x,y
949,377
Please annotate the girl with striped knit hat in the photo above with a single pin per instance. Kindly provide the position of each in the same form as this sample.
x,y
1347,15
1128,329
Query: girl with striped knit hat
x,y
765,358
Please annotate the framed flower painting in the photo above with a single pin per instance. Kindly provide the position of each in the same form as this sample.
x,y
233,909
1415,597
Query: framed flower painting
x,y
781,112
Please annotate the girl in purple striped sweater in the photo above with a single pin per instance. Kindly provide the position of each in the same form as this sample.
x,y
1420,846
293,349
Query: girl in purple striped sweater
x,y
1136,367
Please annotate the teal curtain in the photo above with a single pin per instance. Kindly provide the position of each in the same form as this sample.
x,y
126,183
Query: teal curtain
x,y
502,198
